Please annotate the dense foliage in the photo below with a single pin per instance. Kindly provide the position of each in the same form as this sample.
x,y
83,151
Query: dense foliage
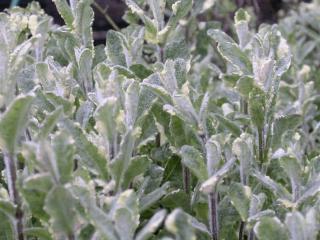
x,y
172,130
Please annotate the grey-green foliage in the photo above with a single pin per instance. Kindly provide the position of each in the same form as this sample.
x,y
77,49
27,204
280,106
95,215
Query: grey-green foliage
x,y
172,130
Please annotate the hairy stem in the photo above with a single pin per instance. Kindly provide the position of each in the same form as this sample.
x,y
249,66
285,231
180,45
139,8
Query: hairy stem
x,y
244,106
71,237
241,230
260,147
186,179
213,208
251,235
10,165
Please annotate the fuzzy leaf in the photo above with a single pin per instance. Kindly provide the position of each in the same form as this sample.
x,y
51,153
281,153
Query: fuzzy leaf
x,y
120,164
283,124
6,227
183,104
137,166
38,232
272,185
231,52
49,123
125,223
131,103
244,85
257,107
193,160
270,228
60,206
240,197
115,48
64,150
106,115
153,197
299,228
153,224
65,11
13,123
242,19
209,185
179,224
213,150
179,10
83,22
241,149
88,152
228,124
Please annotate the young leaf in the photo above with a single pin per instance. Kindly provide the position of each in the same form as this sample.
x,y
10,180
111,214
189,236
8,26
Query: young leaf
x,y
65,12
83,22
242,19
150,26
120,164
179,10
219,36
231,52
131,103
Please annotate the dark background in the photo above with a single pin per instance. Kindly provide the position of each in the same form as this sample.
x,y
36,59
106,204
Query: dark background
x,y
265,10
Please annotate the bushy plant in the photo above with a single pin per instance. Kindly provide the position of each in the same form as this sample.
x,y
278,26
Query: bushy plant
x,y
172,130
